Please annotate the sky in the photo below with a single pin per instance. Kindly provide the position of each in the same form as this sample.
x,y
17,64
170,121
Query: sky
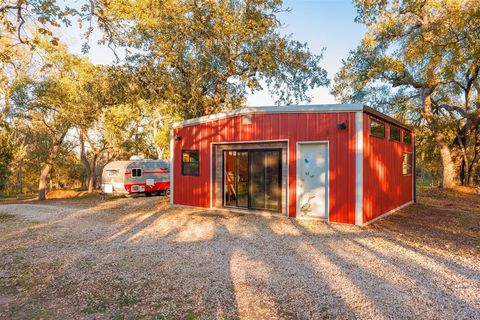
x,y
320,23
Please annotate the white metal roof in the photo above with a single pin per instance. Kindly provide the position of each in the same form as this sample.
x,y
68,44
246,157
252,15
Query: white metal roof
x,y
273,109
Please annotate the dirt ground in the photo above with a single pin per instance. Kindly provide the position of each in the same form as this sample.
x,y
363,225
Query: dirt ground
x,y
84,258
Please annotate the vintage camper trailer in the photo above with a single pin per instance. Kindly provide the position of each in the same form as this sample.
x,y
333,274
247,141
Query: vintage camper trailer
x,y
136,176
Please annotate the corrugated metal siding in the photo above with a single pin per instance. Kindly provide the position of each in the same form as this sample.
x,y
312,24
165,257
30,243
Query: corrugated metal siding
x,y
195,190
384,186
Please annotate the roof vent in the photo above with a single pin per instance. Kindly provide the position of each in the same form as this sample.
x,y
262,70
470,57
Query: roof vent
x,y
136,158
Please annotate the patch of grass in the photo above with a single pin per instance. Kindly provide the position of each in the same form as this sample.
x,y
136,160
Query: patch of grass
x,y
126,300
111,198
191,315
159,317
39,313
96,304
9,221
31,309
15,195
6,217
28,277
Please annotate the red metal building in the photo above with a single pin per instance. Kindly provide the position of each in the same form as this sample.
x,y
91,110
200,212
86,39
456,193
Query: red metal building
x,y
344,163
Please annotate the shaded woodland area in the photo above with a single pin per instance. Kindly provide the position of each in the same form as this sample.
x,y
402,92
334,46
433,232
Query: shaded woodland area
x,y
62,118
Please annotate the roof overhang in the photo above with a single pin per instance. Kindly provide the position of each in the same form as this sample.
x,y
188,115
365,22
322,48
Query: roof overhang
x,y
319,108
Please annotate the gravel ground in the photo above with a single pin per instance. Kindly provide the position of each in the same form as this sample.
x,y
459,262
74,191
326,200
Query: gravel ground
x,y
138,258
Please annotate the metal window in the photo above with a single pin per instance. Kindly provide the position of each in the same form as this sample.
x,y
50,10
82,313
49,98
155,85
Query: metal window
x,y
394,134
407,137
136,172
190,162
377,129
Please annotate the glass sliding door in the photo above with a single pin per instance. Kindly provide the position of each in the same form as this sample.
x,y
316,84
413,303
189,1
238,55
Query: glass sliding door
x,y
257,174
230,177
272,180
252,179
242,179
236,178
265,188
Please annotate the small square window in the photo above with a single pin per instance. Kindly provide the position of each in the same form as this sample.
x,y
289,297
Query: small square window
x,y
394,133
136,172
407,137
407,164
190,163
377,129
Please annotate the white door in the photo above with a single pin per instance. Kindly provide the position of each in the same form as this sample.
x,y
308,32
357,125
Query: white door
x,y
312,180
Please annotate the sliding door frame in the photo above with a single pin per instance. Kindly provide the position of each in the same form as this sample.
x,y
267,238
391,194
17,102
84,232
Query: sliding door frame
x,y
249,150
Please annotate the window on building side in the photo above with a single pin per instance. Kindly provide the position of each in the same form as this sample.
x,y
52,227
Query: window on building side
x,y
407,164
136,172
407,137
190,163
377,129
394,133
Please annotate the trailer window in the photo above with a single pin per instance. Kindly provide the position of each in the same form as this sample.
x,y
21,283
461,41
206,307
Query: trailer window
x,y
377,129
136,172
190,163
407,137
407,164
394,133
112,173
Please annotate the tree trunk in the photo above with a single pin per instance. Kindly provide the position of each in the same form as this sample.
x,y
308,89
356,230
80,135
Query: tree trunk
x,y
85,162
20,177
90,184
476,156
93,175
44,174
158,150
448,169
90,166
464,173
42,185
57,140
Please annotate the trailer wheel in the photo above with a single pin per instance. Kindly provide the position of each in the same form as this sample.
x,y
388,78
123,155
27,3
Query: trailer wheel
x,y
148,194
167,192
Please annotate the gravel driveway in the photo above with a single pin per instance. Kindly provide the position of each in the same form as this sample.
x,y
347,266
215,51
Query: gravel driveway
x,y
138,258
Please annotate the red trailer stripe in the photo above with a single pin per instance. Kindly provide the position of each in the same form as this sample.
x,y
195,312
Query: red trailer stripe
x,y
149,172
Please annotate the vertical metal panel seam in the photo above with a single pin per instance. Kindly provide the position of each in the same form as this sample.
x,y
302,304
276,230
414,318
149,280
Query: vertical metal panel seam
x,y
359,168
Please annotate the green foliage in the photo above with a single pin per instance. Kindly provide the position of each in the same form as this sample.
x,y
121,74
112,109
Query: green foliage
x,y
204,56
420,60
6,156
31,22
96,304
184,59
410,45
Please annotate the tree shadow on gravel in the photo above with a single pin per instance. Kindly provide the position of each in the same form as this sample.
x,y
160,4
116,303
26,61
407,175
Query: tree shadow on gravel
x,y
186,263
